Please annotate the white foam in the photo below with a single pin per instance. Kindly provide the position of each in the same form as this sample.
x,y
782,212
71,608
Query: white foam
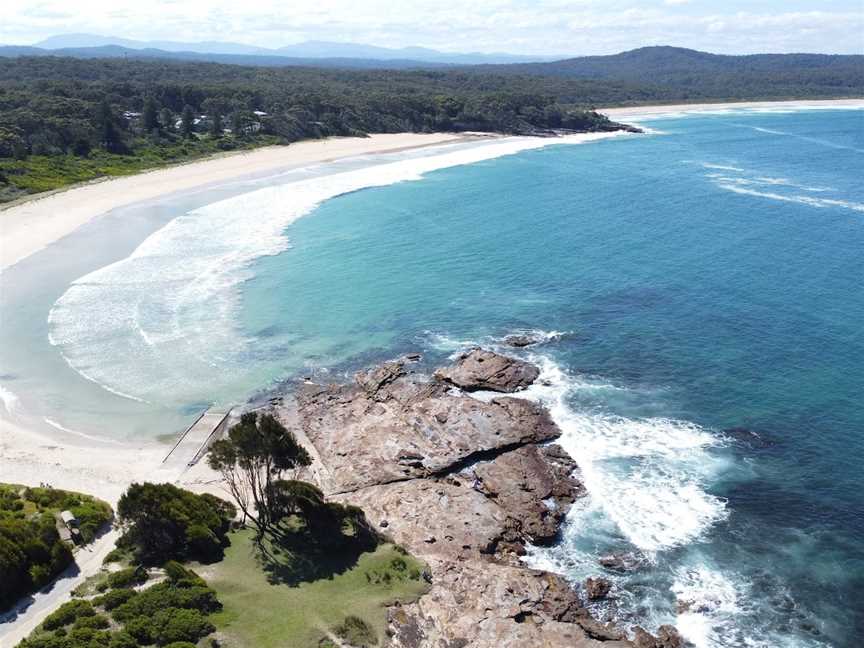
x,y
646,475
721,167
162,321
822,203
743,182
719,610
84,435
10,400
709,601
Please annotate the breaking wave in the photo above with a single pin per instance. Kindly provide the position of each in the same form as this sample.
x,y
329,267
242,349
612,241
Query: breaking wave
x,y
648,476
163,320
740,181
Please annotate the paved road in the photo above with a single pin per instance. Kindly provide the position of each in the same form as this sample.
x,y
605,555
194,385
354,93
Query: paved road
x,y
88,562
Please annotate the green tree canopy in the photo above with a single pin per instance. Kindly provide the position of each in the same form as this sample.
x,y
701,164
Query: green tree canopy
x,y
163,522
258,450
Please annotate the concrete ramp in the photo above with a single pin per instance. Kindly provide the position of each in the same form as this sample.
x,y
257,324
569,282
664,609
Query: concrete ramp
x,y
194,442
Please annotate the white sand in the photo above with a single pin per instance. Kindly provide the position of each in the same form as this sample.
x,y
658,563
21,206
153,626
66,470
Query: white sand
x,y
644,111
33,224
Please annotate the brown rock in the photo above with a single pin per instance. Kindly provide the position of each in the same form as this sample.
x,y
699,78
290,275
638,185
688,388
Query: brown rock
x,y
391,426
597,588
521,340
462,484
621,562
535,485
479,369
669,637
492,606
601,631
643,639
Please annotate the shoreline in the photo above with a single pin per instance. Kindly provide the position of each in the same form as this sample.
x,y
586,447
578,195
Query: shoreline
x,y
36,222
76,461
31,223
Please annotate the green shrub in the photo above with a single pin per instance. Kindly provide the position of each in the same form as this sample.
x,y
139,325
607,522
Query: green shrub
x,y
126,578
181,576
67,613
88,638
122,640
180,644
179,624
166,595
114,598
115,555
45,641
95,622
164,522
142,629
356,632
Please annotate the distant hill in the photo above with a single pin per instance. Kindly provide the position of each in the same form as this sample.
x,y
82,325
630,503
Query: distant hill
x,y
261,60
305,50
715,75
673,61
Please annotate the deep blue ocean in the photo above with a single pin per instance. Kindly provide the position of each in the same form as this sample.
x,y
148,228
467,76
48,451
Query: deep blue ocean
x,y
701,292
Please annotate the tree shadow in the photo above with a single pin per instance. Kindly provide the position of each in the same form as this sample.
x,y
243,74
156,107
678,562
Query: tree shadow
x,y
291,556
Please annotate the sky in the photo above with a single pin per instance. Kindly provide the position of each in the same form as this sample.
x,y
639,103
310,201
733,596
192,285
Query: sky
x,y
549,27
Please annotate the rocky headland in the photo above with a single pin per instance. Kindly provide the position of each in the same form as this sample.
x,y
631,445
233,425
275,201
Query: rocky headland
x,y
464,484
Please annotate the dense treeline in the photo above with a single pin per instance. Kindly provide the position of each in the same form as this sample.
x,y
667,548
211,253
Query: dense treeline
x,y
64,120
58,104
31,551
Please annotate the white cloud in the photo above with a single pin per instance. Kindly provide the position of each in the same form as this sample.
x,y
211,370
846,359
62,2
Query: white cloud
x,y
522,26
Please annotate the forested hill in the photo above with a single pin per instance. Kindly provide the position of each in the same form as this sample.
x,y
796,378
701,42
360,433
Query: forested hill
x,y
687,74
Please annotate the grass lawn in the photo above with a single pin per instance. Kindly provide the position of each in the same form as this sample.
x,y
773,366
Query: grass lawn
x,y
260,613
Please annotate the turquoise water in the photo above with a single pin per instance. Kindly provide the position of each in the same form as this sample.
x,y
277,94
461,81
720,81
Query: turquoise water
x,y
706,277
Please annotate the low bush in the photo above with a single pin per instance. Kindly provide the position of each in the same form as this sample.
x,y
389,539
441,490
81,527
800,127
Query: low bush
x,y
88,637
179,624
166,595
95,622
122,640
114,598
68,613
357,632
127,578
142,629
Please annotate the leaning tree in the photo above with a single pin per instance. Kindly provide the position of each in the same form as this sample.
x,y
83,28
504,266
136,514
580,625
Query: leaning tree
x,y
258,451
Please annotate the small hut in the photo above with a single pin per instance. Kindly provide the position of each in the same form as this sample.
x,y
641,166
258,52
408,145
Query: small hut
x,y
69,520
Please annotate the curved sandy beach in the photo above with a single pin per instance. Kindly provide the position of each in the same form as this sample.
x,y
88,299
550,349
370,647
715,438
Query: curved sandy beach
x,y
34,223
